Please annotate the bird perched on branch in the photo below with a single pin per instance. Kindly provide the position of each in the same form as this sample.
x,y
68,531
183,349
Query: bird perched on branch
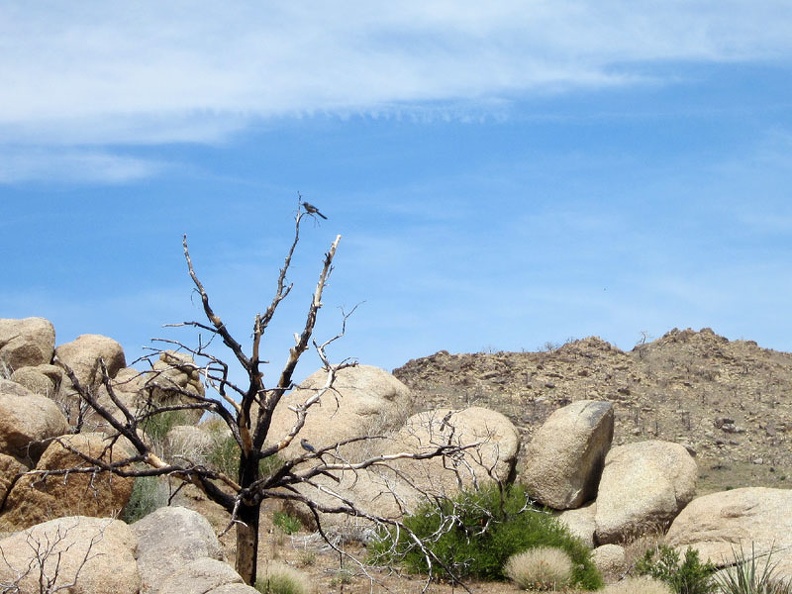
x,y
307,446
311,209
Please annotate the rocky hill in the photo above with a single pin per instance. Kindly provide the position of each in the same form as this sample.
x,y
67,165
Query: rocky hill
x,y
730,402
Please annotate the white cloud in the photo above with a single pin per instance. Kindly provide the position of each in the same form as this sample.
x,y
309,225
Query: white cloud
x,y
151,72
86,165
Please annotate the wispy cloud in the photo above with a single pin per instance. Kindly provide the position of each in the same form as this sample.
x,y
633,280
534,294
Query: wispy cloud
x,y
95,72
70,165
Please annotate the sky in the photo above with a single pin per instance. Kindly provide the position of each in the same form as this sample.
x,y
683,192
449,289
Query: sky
x,y
504,175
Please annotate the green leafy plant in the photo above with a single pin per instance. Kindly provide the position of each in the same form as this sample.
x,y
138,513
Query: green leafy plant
x,y
540,568
751,576
688,576
286,522
474,534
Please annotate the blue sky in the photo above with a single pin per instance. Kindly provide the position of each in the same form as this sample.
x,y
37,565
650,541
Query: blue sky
x,y
502,176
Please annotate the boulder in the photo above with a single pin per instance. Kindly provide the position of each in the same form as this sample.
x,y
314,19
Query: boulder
x,y
27,422
98,555
175,379
10,468
718,524
399,485
199,576
610,560
26,343
82,356
37,497
644,486
44,380
234,589
365,400
493,457
170,538
128,386
565,458
581,522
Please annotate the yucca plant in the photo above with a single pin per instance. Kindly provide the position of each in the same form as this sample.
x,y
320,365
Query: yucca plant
x,y
750,575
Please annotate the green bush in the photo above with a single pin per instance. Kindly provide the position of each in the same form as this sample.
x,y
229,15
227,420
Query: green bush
x,y
286,522
690,576
750,576
475,533
149,493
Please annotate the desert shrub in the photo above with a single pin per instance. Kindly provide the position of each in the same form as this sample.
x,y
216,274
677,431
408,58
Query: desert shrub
x,y
279,578
149,493
751,576
688,576
288,523
639,585
540,568
475,533
224,455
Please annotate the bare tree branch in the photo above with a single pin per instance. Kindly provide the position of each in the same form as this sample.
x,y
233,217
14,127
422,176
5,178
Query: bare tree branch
x,y
246,408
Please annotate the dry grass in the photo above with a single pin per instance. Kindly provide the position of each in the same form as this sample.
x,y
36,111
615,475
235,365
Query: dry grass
x,y
540,568
279,578
638,585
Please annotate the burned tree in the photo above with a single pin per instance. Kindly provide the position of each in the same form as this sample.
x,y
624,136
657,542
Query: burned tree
x,y
246,407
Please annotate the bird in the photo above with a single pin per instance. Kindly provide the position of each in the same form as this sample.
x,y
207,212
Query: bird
x,y
311,209
307,446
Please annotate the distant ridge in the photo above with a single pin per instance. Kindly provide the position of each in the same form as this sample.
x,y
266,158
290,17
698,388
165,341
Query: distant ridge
x,y
730,402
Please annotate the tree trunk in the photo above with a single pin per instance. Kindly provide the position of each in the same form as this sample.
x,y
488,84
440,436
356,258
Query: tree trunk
x,y
247,542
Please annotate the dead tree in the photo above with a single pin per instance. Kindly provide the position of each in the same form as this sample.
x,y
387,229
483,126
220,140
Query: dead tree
x,y
247,409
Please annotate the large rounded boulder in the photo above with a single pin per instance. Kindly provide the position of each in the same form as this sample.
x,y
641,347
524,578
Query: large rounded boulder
x,y
718,524
564,461
26,343
644,486
76,554
363,400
